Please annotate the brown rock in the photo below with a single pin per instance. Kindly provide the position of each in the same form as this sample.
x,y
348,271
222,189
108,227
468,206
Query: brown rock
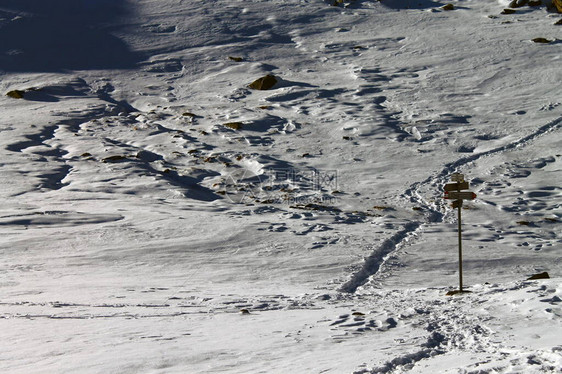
x,y
264,83
543,275
558,5
234,125
15,94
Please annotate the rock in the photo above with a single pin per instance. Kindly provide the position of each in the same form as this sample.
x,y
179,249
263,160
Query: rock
x,y
236,59
15,94
559,22
113,158
448,7
558,5
244,311
234,125
264,83
518,3
543,275
535,3
541,40
508,11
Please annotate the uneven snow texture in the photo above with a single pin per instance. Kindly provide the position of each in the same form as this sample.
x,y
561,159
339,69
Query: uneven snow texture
x,y
162,216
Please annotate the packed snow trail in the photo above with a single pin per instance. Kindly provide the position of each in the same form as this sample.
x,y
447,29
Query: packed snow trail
x,y
433,213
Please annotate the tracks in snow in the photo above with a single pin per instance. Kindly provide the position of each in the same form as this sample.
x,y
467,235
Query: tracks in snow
x,y
434,214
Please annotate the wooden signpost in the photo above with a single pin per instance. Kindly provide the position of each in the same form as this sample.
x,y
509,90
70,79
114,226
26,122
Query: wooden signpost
x,y
453,191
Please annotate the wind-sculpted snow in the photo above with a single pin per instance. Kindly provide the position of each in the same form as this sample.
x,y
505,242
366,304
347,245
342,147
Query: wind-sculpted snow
x,y
161,213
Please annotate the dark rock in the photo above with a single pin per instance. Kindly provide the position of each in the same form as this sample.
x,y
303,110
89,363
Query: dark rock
x,y
448,7
559,22
114,158
543,275
508,11
558,5
541,40
234,125
518,3
15,94
236,59
264,83
535,3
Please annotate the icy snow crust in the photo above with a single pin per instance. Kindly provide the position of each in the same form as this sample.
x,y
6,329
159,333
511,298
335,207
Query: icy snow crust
x,y
159,216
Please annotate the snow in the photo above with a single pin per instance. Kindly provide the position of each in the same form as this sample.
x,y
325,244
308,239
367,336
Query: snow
x,y
139,234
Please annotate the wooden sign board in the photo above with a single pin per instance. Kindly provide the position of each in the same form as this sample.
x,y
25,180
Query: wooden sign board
x,y
456,186
465,195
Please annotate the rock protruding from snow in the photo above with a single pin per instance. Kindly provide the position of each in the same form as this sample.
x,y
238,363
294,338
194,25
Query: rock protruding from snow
x,y
264,83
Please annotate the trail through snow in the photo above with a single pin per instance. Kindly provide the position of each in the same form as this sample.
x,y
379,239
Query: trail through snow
x,y
160,215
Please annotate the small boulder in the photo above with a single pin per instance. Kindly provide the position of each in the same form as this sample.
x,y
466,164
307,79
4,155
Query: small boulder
x,y
233,125
448,7
508,11
518,3
264,83
541,40
15,94
115,158
535,3
558,5
543,275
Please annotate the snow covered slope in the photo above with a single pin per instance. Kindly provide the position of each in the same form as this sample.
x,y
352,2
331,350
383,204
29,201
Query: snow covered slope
x,y
160,215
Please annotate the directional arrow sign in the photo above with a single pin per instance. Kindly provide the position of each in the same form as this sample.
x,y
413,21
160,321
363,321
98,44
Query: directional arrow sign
x,y
465,195
456,186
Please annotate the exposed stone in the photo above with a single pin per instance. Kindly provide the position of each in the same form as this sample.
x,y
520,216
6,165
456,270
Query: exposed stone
x,y
518,3
264,83
448,7
541,40
234,125
15,94
558,5
114,158
508,11
543,275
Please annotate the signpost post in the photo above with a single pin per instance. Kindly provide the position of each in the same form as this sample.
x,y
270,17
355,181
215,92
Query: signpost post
x,y
453,192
